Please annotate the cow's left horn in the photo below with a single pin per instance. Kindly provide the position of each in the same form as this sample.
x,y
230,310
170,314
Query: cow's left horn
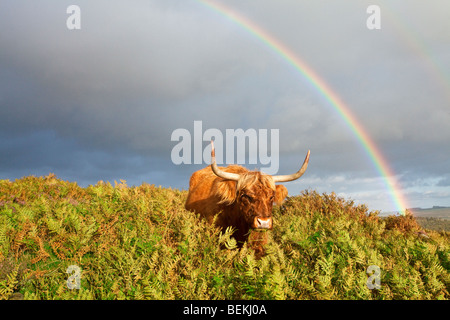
x,y
294,176
217,171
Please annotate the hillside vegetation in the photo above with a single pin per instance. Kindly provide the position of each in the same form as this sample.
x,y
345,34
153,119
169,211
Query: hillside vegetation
x,y
434,223
140,243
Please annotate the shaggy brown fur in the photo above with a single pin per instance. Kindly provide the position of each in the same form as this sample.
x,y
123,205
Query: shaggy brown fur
x,y
239,204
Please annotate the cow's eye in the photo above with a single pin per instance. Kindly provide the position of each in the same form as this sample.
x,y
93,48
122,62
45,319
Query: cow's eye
x,y
272,198
246,197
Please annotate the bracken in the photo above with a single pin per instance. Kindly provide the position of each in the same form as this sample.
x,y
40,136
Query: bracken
x,y
141,243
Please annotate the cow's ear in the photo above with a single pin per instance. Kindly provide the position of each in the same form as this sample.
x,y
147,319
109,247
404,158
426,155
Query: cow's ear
x,y
280,194
225,190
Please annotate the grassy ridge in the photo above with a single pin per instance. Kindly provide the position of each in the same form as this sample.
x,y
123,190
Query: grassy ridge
x,y
140,243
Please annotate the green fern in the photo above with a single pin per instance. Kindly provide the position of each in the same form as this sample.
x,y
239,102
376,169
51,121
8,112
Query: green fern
x,y
140,243
9,284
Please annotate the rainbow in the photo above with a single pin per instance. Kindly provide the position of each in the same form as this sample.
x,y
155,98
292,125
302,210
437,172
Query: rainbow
x,y
378,160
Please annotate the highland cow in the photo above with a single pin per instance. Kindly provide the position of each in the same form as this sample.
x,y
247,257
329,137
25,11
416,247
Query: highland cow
x,y
241,198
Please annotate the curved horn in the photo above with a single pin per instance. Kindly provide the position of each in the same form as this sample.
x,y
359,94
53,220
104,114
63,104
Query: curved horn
x,y
217,171
294,176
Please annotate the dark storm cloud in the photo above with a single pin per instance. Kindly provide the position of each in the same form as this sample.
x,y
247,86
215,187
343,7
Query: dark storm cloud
x,y
129,77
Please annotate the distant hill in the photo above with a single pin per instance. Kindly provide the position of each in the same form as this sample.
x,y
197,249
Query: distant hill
x,y
434,212
435,218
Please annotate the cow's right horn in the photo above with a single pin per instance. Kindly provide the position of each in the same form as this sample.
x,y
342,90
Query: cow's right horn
x,y
217,171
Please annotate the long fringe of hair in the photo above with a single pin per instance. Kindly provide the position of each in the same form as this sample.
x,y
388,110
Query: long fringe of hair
x,y
227,190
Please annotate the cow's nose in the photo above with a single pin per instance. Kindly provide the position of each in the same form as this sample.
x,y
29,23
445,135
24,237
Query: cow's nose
x,y
263,223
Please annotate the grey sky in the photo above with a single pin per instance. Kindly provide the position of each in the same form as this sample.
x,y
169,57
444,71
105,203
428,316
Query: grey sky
x,y
101,103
